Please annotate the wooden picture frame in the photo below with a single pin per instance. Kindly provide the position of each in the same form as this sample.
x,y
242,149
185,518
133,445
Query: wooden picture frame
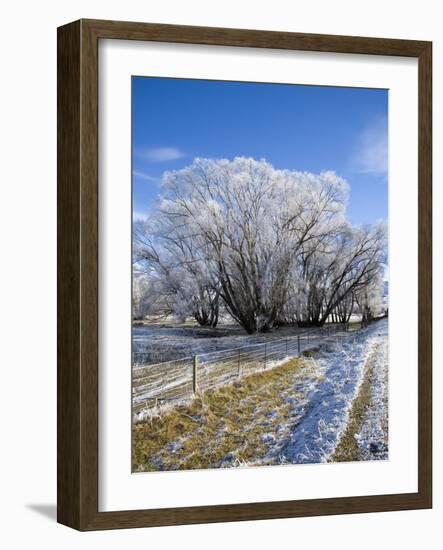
x,y
78,274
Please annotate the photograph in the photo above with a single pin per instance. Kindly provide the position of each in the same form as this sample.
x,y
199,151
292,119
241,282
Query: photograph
x,y
260,274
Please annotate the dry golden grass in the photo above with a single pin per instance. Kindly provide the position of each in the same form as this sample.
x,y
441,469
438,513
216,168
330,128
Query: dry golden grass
x,y
222,427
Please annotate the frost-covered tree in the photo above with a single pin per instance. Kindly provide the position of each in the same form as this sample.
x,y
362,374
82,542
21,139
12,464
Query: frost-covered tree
x,y
249,221
370,299
327,278
181,284
355,262
273,245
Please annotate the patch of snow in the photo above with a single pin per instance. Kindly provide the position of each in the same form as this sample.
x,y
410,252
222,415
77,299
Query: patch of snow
x,y
268,438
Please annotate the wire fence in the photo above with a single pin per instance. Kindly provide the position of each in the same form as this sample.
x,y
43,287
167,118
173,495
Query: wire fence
x,y
172,381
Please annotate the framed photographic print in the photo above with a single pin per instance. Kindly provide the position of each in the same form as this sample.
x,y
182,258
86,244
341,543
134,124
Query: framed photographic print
x,y
244,274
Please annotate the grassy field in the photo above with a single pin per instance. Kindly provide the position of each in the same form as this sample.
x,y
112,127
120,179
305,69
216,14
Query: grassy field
x,y
232,425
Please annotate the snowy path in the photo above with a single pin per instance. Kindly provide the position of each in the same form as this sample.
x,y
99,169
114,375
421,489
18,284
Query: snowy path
x,y
324,410
372,438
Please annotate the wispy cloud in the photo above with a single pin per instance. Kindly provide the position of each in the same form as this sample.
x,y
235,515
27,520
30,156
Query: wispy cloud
x,y
371,155
161,154
143,176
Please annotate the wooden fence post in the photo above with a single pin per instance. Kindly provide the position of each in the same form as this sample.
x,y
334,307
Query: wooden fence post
x,y
195,363
298,344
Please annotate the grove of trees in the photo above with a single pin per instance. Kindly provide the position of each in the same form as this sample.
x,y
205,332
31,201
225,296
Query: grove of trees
x,y
264,246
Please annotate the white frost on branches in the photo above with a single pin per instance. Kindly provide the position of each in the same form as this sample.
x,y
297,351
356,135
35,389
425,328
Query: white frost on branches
x,y
267,246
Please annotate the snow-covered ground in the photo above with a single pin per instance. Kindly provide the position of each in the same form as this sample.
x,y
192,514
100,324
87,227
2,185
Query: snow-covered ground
x,y
322,414
300,415
169,341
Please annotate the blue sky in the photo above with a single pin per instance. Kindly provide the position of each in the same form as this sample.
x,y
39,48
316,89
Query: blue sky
x,y
310,128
